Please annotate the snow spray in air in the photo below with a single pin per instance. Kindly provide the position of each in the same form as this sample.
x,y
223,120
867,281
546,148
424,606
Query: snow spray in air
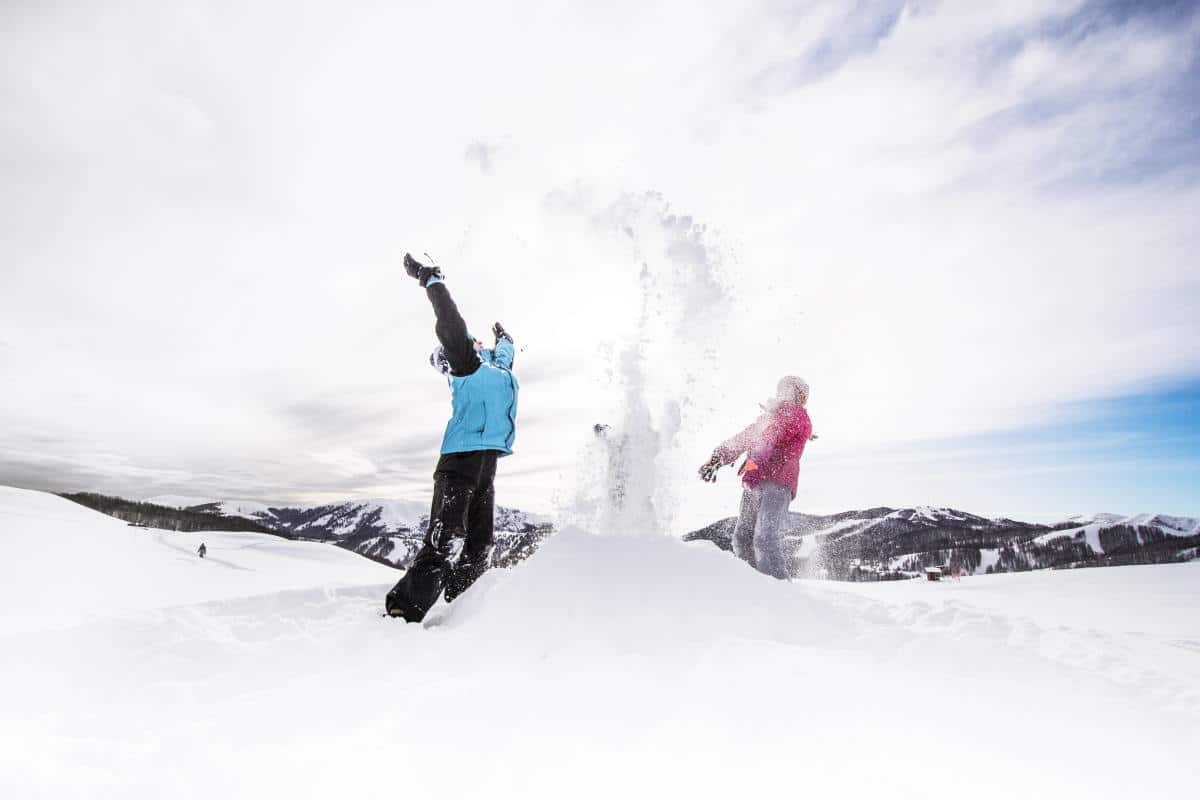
x,y
658,370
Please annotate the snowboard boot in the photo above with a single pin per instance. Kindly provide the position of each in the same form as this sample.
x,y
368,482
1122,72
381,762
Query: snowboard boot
x,y
396,606
465,573
422,273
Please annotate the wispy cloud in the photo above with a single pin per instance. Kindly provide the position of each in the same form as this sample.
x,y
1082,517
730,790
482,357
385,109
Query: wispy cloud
x,y
952,218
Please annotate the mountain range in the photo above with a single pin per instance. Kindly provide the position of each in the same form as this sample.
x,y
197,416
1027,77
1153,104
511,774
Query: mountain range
x,y
890,543
872,544
387,531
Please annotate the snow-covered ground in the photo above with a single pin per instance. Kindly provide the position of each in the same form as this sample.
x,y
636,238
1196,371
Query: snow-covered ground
x,y
65,565
604,666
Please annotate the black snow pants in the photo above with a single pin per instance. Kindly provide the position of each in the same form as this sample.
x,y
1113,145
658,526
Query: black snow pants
x,y
463,496
461,518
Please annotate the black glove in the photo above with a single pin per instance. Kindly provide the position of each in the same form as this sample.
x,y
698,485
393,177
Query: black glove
x,y
498,329
708,472
422,273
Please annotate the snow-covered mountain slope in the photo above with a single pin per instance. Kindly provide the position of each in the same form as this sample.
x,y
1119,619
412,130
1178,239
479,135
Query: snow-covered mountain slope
x,y
900,542
385,530
1106,533
66,564
603,666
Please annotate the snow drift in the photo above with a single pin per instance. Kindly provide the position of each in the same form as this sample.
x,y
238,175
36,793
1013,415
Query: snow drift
x,y
602,666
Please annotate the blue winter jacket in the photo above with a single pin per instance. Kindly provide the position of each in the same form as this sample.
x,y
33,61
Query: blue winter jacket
x,y
484,405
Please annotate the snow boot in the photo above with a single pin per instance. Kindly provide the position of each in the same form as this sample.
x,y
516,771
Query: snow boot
x,y
395,606
464,574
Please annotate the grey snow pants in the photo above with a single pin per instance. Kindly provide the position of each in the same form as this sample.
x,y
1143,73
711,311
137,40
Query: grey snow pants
x,y
758,535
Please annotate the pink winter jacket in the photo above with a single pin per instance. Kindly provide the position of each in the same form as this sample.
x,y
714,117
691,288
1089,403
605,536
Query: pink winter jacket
x,y
775,441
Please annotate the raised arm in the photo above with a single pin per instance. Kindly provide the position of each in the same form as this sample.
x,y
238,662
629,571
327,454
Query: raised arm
x,y
451,330
504,351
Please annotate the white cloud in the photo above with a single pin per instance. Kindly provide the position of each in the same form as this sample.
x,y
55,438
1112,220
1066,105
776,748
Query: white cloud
x,y
942,217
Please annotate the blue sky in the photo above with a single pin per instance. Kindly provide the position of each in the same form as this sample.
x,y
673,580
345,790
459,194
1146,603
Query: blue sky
x,y
1127,454
1133,454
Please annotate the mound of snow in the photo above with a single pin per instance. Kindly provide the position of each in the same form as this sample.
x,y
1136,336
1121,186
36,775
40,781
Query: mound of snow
x,y
638,592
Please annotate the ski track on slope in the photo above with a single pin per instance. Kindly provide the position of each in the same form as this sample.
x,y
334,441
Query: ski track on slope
x,y
190,555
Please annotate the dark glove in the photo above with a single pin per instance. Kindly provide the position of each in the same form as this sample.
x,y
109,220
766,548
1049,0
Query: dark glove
x,y
708,472
422,273
498,329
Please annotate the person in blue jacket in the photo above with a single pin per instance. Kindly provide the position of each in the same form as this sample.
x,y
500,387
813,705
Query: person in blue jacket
x,y
482,426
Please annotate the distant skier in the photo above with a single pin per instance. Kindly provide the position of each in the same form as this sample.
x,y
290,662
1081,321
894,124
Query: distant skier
x,y
203,550
481,429
773,445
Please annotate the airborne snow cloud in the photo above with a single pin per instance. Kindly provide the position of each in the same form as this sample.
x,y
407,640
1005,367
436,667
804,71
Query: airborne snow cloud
x,y
951,218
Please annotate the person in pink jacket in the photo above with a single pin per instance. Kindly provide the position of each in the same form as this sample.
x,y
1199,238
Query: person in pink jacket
x,y
773,445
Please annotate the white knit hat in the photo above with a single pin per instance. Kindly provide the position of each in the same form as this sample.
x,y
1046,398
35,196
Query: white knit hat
x,y
792,389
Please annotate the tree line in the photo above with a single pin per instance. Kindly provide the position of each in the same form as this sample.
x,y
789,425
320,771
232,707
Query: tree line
x,y
163,517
